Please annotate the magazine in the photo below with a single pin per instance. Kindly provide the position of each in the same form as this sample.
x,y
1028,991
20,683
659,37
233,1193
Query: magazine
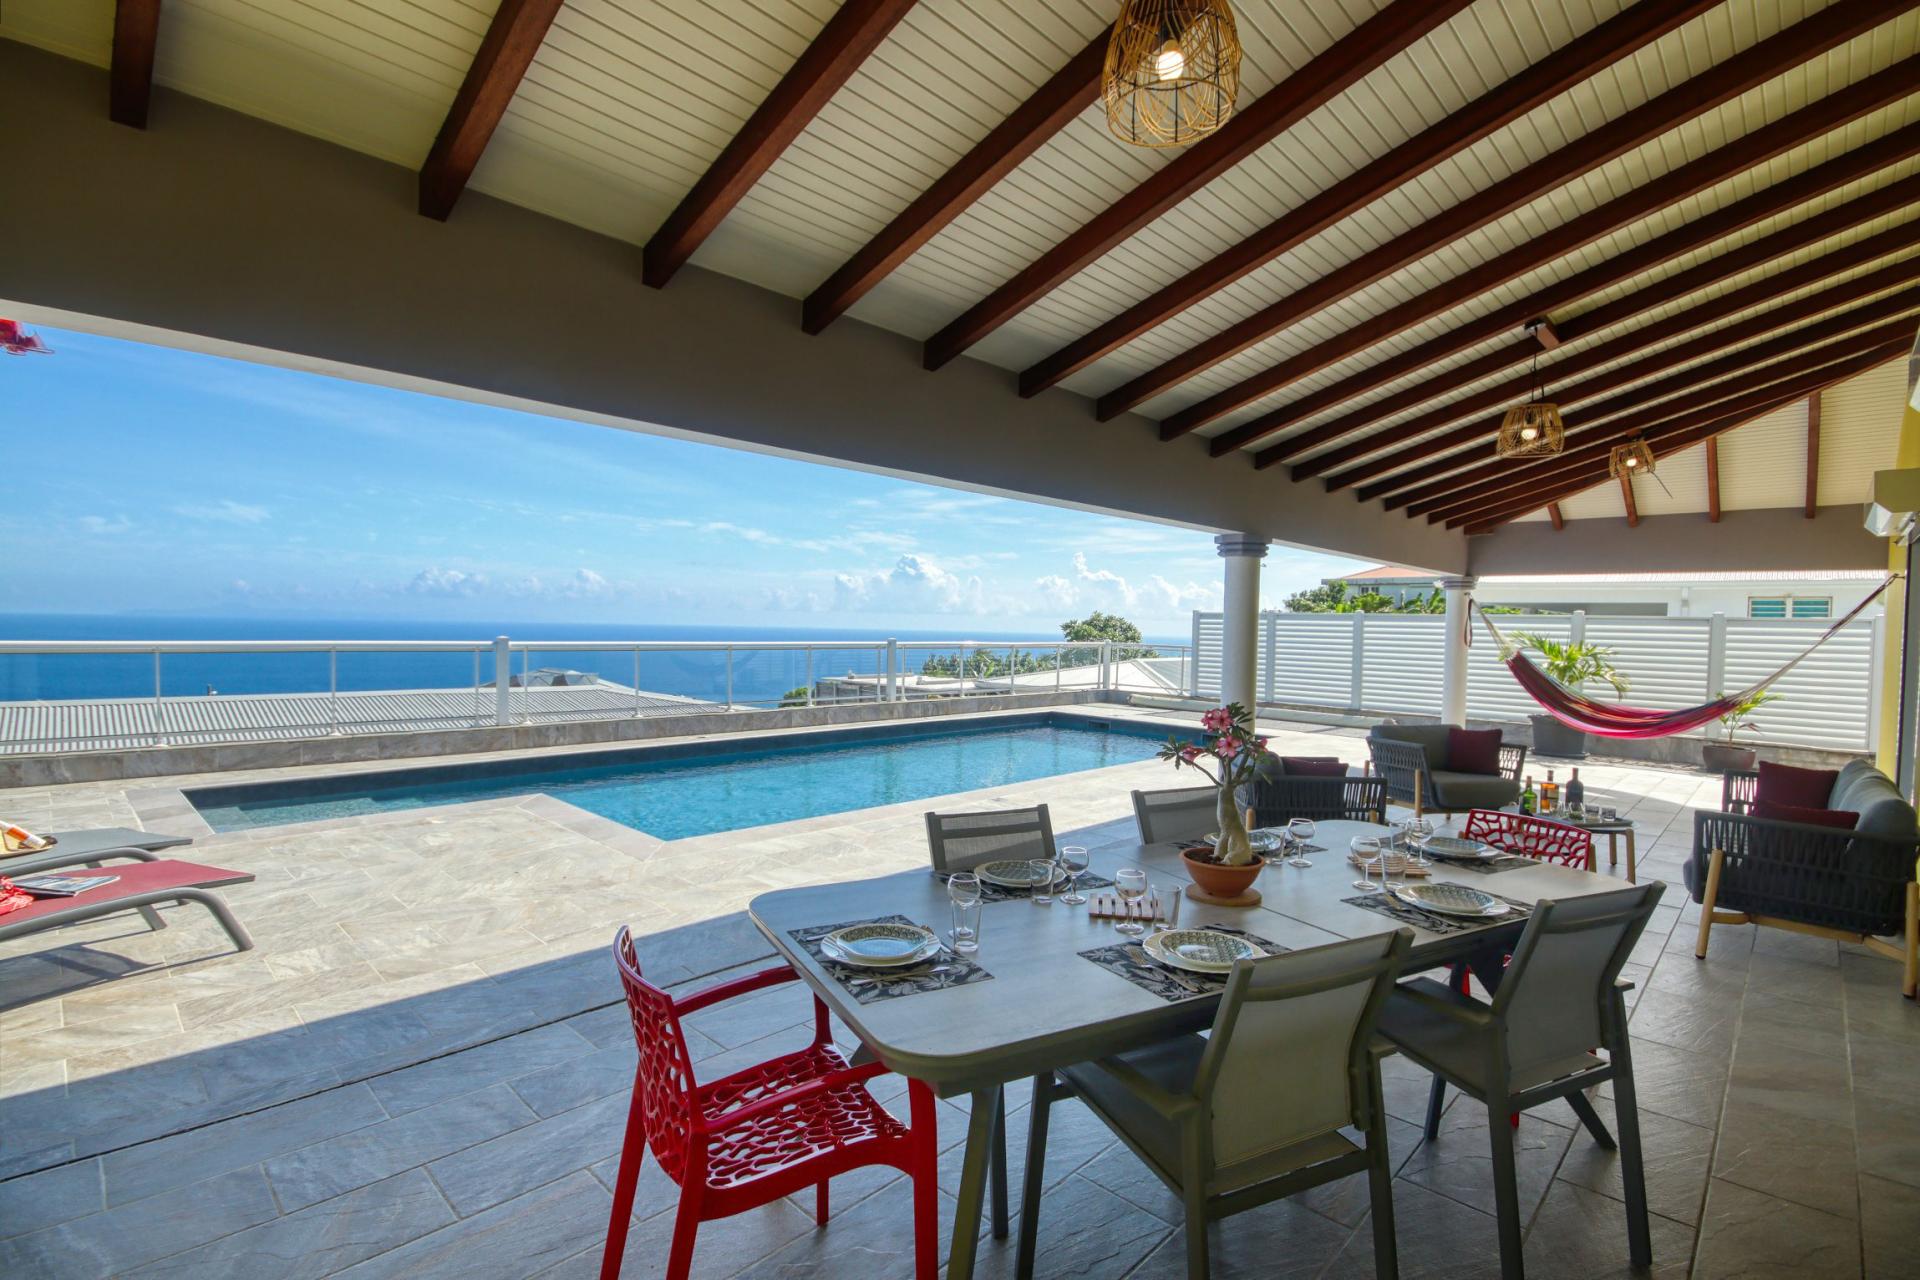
x,y
54,886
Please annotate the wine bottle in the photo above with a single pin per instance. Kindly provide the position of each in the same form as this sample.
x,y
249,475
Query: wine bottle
x,y
1549,794
1528,799
1576,792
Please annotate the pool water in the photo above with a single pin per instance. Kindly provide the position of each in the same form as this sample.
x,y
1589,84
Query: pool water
x,y
695,789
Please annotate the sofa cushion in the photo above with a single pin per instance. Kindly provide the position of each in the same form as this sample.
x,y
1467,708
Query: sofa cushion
x,y
1794,813
1883,810
1850,776
1313,767
1802,788
1430,738
1473,750
1452,790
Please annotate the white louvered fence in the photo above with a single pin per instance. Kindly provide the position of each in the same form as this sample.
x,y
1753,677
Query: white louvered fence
x,y
1390,663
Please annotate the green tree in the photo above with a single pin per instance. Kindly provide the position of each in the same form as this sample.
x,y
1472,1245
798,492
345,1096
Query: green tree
x,y
1098,626
795,697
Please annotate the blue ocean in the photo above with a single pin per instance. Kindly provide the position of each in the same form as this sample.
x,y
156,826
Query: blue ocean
x,y
759,675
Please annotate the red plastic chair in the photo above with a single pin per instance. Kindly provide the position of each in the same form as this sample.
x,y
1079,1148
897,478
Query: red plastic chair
x,y
1531,837
752,1137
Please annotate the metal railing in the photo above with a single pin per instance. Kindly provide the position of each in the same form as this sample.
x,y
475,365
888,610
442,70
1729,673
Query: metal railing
x,y
111,694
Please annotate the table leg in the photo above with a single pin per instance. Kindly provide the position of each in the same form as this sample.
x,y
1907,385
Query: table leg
x,y
1613,849
973,1185
1632,873
997,1171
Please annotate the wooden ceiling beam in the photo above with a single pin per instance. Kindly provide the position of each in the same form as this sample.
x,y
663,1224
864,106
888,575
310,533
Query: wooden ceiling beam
x,y
518,28
1412,436
1332,73
1626,497
1684,439
854,32
1713,480
136,36
1820,180
1578,474
1579,60
1813,455
1797,309
1052,107
1715,87
1499,478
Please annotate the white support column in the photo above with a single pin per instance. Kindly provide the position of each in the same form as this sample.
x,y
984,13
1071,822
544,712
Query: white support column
x,y
1453,666
1240,627
502,680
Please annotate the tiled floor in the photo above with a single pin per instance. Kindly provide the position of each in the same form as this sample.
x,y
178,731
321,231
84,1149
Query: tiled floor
x,y
421,1071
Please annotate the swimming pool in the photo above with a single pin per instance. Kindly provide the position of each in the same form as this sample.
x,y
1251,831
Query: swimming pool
x,y
690,789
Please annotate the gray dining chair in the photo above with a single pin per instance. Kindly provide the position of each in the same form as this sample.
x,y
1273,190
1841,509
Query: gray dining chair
x,y
1559,997
1183,813
1254,1111
960,841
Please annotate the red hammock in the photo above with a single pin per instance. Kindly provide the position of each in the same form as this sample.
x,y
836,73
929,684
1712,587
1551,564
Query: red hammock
x,y
1612,720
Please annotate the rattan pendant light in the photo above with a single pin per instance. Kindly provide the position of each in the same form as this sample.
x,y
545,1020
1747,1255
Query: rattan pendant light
x,y
1634,458
1173,71
1535,428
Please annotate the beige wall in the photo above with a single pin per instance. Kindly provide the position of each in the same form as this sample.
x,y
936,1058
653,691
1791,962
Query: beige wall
x,y
218,225
1776,538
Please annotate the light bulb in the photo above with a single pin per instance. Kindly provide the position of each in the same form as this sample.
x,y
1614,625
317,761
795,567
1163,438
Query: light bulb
x,y
1632,462
1529,433
1170,63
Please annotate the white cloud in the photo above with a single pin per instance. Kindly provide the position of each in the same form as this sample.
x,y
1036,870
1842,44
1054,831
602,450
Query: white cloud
x,y
915,584
104,525
435,581
1155,597
226,511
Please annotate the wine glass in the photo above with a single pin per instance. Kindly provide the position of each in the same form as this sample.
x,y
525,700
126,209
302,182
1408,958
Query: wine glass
x,y
1299,832
1074,860
1131,883
1368,849
963,890
1419,833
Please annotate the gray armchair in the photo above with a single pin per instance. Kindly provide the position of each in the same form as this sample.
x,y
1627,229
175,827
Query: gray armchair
x,y
1413,760
1182,813
960,841
1214,1122
1559,997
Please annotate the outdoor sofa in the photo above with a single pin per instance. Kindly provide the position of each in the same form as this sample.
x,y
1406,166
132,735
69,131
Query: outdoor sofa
x,y
1443,768
1842,868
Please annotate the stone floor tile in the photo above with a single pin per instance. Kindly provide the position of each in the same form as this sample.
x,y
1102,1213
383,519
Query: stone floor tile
x,y
337,1165
1887,1129
121,1238
1677,1082
50,1197
1459,1163
1676,1157
321,1239
501,1168
1889,1217
472,1069
510,1241
1437,1239
152,1167
1279,1239
1583,1233
576,1082
1754,1236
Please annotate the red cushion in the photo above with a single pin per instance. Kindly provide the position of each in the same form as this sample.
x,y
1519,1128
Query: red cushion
x,y
1313,767
1801,788
1473,750
1796,813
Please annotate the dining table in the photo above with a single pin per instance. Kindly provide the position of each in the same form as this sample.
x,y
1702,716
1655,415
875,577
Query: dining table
x,y
1043,1004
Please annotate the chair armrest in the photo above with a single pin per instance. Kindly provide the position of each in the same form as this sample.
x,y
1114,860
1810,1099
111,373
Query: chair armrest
x,y
1171,1105
79,859
1737,789
762,1107
1462,1009
737,987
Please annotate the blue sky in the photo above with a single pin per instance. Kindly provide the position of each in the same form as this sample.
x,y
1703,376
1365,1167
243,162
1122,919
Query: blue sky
x,y
148,479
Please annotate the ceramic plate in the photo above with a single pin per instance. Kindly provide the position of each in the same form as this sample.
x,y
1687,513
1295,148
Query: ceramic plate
x,y
1198,950
1454,900
1454,847
1015,873
880,946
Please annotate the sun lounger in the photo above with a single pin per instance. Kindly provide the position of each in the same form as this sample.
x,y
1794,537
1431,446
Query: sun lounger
x,y
139,885
91,847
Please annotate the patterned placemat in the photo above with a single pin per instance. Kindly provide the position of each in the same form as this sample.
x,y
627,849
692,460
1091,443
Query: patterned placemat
x,y
1432,921
868,985
1130,961
1479,866
1002,893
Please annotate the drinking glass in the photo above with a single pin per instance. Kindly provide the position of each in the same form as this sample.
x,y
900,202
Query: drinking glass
x,y
1045,873
1368,847
1300,832
1166,904
1074,860
1131,883
963,890
1419,834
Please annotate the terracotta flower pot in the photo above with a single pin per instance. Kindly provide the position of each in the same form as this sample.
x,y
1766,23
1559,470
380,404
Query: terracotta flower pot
x,y
1219,881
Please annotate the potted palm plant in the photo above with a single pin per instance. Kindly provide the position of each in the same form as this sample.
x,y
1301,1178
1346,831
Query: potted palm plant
x,y
1724,756
1227,754
1571,664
